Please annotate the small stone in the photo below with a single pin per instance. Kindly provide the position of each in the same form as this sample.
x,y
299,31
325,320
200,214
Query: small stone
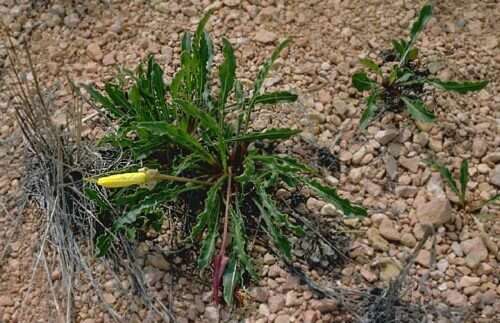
x,y
310,316
495,176
388,230
389,270
407,239
276,303
467,281
95,52
410,164
455,298
6,301
406,191
232,3
264,36
442,265
437,212
329,210
292,298
376,240
475,251
424,258
264,310
109,59
109,298
72,20
269,259
479,147
282,319
211,314
56,275
391,166
157,260
274,271
358,155
325,305
260,294
386,136
369,275
457,249
314,204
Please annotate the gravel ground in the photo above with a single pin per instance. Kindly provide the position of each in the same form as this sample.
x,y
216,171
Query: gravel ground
x,y
382,168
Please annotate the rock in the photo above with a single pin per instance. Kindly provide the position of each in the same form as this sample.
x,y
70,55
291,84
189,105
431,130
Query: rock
x,y
376,240
264,310
109,298
437,212
72,20
389,270
212,314
467,281
454,298
276,303
325,305
475,252
495,176
406,191
386,136
479,147
282,319
329,210
457,249
358,155
388,230
410,164
372,188
232,3
407,239
95,52
274,271
314,204
157,260
369,275
260,294
391,166
109,59
292,298
424,258
492,158
264,36
55,275
6,301
310,316
269,259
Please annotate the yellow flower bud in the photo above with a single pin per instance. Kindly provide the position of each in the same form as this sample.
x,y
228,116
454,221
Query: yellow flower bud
x,y
143,177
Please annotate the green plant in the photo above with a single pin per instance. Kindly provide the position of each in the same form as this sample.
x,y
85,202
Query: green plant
x,y
196,143
459,187
402,86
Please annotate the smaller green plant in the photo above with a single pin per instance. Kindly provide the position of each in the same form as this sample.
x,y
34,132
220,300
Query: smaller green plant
x,y
402,86
459,187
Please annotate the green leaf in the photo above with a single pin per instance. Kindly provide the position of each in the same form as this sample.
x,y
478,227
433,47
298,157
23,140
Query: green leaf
x,y
370,111
211,210
103,243
494,199
464,179
447,177
413,54
227,73
330,195
230,280
208,246
459,87
276,97
371,65
105,102
362,82
399,47
418,110
206,120
177,135
239,241
419,25
269,134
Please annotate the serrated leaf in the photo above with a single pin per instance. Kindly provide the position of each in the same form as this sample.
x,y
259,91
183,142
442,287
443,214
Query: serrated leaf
x,y
227,73
330,195
464,179
206,120
362,82
210,211
418,110
207,250
275,97
371,65
369,112
230,280
239,242
459,87
447,176
178,135
269,134
103,243
399,47
422,20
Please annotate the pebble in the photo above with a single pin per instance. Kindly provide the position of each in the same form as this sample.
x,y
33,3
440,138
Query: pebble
x,y
437,211
95,52
212,314
276,303
388,230
495,176
264,36
424,258
455,298
475,252
282,319
386,136
376,240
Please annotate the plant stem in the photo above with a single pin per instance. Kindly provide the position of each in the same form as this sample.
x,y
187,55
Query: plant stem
x,y
226,211
181,179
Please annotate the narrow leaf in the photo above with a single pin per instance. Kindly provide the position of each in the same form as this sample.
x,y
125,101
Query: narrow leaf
x,y
208,246
331,196
422,20
275,97
227,73
464,178
459,87
230,280
418,110
371,65
370,111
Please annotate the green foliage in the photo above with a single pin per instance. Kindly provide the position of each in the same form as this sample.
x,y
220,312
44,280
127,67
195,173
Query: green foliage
x,y
183,131
459,187
402,87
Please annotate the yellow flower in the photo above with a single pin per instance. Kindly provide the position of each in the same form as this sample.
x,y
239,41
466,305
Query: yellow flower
x,y
143,177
